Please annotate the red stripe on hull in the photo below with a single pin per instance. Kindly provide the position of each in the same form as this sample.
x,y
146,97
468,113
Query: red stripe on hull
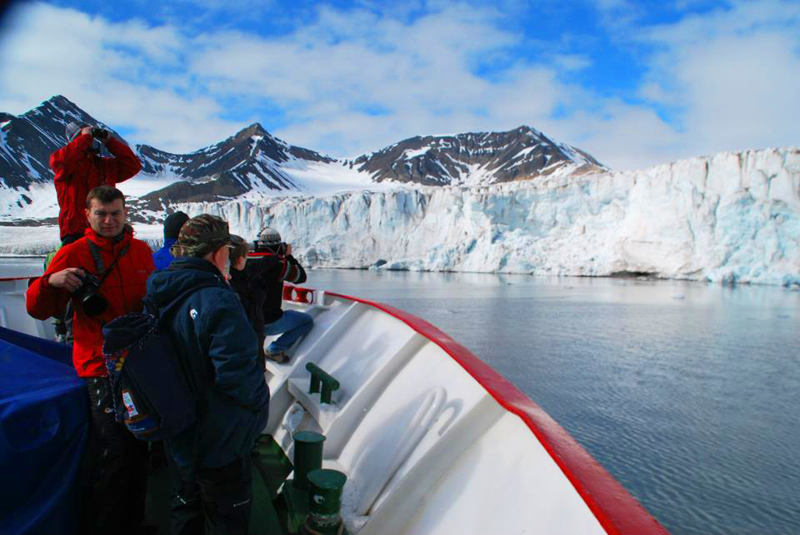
x,y
613,506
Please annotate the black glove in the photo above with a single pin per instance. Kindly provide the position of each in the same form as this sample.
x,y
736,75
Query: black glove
x,y
100,134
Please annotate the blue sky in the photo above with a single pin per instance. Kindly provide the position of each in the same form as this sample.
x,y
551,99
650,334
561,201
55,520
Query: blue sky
x,y
633,83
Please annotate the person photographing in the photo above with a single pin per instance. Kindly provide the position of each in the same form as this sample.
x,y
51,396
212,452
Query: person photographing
x,y
258,278
79,167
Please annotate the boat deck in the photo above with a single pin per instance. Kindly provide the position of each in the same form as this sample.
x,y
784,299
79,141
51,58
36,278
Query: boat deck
x,y
430,438
270,469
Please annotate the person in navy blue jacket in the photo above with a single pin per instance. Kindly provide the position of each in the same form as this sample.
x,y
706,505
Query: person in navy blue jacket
x,y
211,333
172,226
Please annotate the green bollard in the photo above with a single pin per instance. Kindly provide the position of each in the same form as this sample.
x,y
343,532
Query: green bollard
x,y
321,379
307,456
325,499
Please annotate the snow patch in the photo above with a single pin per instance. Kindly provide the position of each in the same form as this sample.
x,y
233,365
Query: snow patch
x,y
413,153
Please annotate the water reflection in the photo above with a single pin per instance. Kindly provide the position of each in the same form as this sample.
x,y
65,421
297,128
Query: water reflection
x,y
685,391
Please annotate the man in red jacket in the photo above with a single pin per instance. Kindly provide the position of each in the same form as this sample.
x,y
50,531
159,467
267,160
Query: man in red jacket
x,y
120,265
79,167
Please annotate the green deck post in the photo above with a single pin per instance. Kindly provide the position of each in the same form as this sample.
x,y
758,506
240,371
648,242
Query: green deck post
x,y
313,388
307,456
325,499
329,383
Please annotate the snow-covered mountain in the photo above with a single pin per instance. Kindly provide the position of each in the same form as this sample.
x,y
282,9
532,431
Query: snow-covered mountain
x,y
27,195
252,164
476,159
727,217
249,164
28,141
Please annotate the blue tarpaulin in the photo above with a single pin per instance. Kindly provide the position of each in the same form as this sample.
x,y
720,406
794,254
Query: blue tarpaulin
x,y
44,433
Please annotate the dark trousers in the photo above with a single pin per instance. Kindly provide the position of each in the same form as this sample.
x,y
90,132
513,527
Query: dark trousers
x,y
118,469
217,502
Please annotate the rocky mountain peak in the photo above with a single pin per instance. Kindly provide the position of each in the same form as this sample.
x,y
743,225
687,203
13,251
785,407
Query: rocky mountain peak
x,y
248,161
475,158
254,129
61,102
526,130
255,163
30,138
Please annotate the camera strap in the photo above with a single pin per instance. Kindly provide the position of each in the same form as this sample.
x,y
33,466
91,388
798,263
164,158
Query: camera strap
x,y
98,259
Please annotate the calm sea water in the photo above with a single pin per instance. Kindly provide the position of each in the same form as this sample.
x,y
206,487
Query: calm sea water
x,y
687,393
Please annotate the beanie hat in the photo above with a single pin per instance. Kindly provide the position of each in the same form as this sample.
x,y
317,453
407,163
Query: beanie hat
x,y
269,236
73,129
173,224
201,235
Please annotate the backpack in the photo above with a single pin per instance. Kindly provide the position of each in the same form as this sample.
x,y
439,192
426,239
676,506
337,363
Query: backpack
x,y
152,388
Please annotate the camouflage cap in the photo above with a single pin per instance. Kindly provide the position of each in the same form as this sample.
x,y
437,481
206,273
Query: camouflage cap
x,y
201,235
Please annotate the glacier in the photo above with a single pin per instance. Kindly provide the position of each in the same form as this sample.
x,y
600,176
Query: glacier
x,y
733,217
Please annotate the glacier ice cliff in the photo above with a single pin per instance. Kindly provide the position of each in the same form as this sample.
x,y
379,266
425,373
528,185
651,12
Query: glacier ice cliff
x,y
731,217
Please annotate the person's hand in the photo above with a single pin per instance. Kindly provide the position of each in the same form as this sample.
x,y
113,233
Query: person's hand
x,y
86,130
288,249
69,279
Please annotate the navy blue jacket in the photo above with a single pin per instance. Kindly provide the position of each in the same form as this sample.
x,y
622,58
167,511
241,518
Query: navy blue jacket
x,y
211,331
163,257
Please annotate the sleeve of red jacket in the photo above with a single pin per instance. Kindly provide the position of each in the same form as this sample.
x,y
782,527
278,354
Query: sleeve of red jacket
x,y
42,300
63,160
123,166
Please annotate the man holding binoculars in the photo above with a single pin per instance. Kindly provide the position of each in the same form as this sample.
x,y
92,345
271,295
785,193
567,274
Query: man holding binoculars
x,y
104,274
79,167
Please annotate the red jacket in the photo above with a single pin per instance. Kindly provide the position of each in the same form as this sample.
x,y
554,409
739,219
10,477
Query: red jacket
x,y
124,289
78,171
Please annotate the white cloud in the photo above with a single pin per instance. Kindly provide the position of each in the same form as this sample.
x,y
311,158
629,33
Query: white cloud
x,y
355,81
420,77
117,72
733,75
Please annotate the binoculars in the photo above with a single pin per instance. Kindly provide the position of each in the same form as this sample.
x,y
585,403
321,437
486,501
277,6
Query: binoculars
x,y
100,134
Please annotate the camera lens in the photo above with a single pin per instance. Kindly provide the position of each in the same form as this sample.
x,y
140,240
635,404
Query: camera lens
x,y
94,304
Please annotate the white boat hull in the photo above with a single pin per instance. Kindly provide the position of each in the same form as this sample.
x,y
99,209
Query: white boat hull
x,y
432,440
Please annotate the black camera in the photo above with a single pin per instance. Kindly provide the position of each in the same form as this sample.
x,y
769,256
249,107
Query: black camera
x,y
100,134
88,294
275,248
